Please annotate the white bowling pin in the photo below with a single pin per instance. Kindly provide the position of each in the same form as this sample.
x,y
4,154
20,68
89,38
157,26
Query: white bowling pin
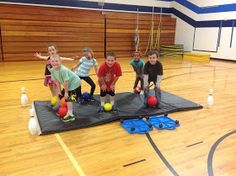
x,y
24,98
32,112
210,99
32,126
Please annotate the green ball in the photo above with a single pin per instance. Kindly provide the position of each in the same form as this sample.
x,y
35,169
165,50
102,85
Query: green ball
x,y
107,107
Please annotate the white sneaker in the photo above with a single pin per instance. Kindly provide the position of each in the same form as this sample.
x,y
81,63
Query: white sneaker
x,y
141,93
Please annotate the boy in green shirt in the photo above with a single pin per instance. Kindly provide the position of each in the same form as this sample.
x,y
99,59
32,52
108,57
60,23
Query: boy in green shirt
x,y
69,80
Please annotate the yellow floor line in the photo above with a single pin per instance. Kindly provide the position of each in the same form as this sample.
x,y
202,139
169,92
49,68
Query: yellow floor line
x,y
70,156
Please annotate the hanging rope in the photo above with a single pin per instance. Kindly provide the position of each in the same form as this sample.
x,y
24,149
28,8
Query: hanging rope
x,y
136,34
154,36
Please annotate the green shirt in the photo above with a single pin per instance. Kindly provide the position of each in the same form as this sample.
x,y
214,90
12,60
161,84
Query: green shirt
x,y
64,74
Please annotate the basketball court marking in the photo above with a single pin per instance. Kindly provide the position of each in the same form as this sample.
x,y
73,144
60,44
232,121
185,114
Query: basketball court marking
x,y
212,150
161,156
70,156
129,164
196,143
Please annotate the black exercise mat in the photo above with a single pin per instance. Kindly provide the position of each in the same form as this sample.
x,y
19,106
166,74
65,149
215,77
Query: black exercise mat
x,y
129,105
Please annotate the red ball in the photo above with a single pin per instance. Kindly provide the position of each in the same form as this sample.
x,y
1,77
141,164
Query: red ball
x,y
62,111
137,90
152,101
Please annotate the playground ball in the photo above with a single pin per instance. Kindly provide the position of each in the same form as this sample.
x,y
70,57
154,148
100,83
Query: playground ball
x,y
63,102
137,90
86,96
107,107
54,100
152,101
62,111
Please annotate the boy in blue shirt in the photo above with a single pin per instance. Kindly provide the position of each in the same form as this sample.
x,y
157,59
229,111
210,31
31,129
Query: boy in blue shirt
x,y
138,66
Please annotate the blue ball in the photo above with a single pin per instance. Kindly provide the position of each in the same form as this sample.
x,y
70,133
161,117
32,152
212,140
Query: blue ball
x,y
86,96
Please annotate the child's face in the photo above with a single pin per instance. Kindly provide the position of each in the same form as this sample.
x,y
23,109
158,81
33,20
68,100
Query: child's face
x,y
52,50
88,55
110,60
56,62
152,59
136,56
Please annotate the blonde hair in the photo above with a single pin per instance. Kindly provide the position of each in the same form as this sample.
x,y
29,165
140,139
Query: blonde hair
x,y
55,56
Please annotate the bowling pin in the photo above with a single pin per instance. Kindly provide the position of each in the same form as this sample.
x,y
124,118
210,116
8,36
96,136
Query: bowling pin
x,y
32,126
24,98
32,112
210,99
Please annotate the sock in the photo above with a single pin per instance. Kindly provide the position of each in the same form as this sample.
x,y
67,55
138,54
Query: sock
x,y
70,108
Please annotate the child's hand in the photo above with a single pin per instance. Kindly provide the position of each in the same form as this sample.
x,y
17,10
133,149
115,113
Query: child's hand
x,y
112,87
38,55
66,95
104,87
141,76
158,87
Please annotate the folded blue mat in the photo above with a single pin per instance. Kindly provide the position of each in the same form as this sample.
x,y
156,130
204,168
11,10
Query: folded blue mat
x,y
163,122
136,126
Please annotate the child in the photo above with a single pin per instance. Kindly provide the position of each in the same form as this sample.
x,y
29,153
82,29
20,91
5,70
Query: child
x,y
70,81
52,49
153,72
84,65
108,74
138,65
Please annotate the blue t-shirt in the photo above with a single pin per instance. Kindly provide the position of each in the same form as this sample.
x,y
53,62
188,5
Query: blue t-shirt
x,y
138,66
85,66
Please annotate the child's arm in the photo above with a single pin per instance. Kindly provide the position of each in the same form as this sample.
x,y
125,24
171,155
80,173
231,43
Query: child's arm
x,y
96,69
145,79
114,83
103,84
67,59
158,82
58,88
76,66
39,56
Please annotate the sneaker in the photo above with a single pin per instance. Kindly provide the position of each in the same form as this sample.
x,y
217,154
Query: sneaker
x,y
141,93
68,118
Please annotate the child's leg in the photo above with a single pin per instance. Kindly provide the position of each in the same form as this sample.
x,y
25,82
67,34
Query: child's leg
x,y
136,81
142,83
91,83
72,97
70,108
146,94
102,97
112,97
52,89
157,94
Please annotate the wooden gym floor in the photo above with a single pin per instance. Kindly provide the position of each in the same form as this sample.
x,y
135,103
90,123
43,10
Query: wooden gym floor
x,y
204,144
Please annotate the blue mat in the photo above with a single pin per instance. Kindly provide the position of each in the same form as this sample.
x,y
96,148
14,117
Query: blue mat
x,y
136,126
163,122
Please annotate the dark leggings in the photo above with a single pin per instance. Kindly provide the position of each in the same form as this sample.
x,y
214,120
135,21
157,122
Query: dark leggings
x,y
90,82
136,82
